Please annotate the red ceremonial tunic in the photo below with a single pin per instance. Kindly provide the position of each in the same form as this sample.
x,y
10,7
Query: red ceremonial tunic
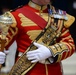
x,y
26,31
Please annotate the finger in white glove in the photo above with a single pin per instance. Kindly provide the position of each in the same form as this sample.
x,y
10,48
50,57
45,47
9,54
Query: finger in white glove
x,y
6,51
39,54
2,57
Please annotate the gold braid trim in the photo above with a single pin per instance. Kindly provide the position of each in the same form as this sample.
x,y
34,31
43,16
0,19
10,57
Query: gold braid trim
x,y
59,58
68,49
66,38
28,69
65,55
68,45
72,45
11,36
58,49
46,69
65,32
72,48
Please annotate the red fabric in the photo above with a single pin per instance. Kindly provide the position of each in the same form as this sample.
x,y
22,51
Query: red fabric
x,y
34,17
39,69
23,42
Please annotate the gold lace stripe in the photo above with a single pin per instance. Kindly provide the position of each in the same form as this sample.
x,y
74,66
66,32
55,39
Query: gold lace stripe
x,y
66,38
73,47
28,69
65,55
12,31
70,40
59,58
67,45
60,24
66,52
26,21
52,20
11,36
46,69
33,34
64,32
61,55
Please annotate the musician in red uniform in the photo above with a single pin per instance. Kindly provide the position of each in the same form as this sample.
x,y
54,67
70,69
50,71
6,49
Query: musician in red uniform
x,y
28,22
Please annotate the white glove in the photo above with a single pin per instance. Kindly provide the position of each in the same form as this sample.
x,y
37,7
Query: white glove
x,y
39,54
3,56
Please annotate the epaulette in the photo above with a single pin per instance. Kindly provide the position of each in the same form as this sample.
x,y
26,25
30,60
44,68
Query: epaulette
x,y
70,21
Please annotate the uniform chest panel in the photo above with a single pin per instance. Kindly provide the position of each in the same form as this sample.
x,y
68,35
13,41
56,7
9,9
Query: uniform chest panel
x,y
31,28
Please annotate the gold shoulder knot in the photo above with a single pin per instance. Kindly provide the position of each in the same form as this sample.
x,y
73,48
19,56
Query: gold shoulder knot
x,y
70,21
